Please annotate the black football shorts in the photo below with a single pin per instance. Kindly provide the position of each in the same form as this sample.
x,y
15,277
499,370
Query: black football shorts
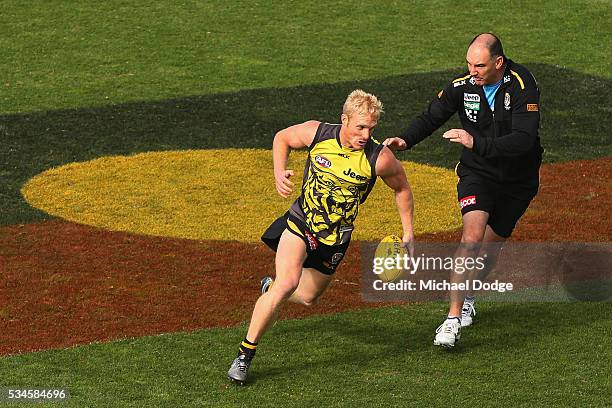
x,y
504,202
324,258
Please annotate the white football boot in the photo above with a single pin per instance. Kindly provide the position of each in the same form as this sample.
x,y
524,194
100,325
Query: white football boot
x,y
448,333
468,311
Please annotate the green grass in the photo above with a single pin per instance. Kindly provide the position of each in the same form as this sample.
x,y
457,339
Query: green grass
x,y
574,126
87,79
523,354
60,54
84,79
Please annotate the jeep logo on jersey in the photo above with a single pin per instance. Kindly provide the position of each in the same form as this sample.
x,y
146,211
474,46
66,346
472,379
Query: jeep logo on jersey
x,y
471,103
352,174
323,162
465,201
471,97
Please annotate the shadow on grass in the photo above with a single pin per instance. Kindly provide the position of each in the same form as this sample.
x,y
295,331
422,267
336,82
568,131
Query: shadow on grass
x,y
394,333
575,110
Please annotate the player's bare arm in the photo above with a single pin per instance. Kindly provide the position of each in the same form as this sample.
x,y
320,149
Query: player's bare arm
x,y
392,173
293,137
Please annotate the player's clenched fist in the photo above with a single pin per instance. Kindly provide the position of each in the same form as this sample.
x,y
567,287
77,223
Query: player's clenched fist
x,y
284,186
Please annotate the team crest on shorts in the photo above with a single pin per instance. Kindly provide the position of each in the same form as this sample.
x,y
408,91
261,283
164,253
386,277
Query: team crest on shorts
x,y
337,258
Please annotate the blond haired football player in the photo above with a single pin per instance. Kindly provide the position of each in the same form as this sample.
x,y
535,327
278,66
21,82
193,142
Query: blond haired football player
x,y
311,239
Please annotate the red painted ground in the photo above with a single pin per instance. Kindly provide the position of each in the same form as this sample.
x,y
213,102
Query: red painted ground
x,y
65,284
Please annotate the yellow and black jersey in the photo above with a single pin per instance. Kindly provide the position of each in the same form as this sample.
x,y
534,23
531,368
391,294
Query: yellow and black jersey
x,y
336,180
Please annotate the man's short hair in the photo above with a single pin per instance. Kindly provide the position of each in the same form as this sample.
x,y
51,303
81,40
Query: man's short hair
x,y
363,103
495,46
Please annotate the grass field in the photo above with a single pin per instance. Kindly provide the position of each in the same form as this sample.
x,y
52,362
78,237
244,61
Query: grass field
x,y
84,80
81,54
372,357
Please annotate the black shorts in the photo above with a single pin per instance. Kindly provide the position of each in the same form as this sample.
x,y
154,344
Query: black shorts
x,y
323,258
505,203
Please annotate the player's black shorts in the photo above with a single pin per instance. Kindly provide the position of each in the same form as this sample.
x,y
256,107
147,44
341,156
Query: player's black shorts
x,y
323,258
505,203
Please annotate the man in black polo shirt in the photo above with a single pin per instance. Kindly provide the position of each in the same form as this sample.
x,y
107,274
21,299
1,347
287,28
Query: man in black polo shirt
x,y
498,103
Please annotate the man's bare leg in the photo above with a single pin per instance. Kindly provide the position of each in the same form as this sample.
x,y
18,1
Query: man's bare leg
x,y
474,226
290,256
474,229
489,250
312,285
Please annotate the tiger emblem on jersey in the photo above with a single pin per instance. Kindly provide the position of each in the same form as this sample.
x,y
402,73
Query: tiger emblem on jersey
x,y
329,200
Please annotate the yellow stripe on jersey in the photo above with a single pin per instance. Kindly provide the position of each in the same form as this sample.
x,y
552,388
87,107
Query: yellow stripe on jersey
x,y
462,78
519,79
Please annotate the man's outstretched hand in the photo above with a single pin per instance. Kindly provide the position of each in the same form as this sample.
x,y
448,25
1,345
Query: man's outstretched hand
x,y
395,143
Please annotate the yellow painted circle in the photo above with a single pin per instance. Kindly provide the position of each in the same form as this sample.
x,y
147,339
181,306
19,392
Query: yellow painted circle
x,y
224,194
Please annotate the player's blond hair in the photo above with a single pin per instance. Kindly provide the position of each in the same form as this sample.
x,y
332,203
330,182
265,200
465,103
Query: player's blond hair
x,y
363,103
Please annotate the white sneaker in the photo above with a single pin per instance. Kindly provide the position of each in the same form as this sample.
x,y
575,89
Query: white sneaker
x,y
448,333
468,311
